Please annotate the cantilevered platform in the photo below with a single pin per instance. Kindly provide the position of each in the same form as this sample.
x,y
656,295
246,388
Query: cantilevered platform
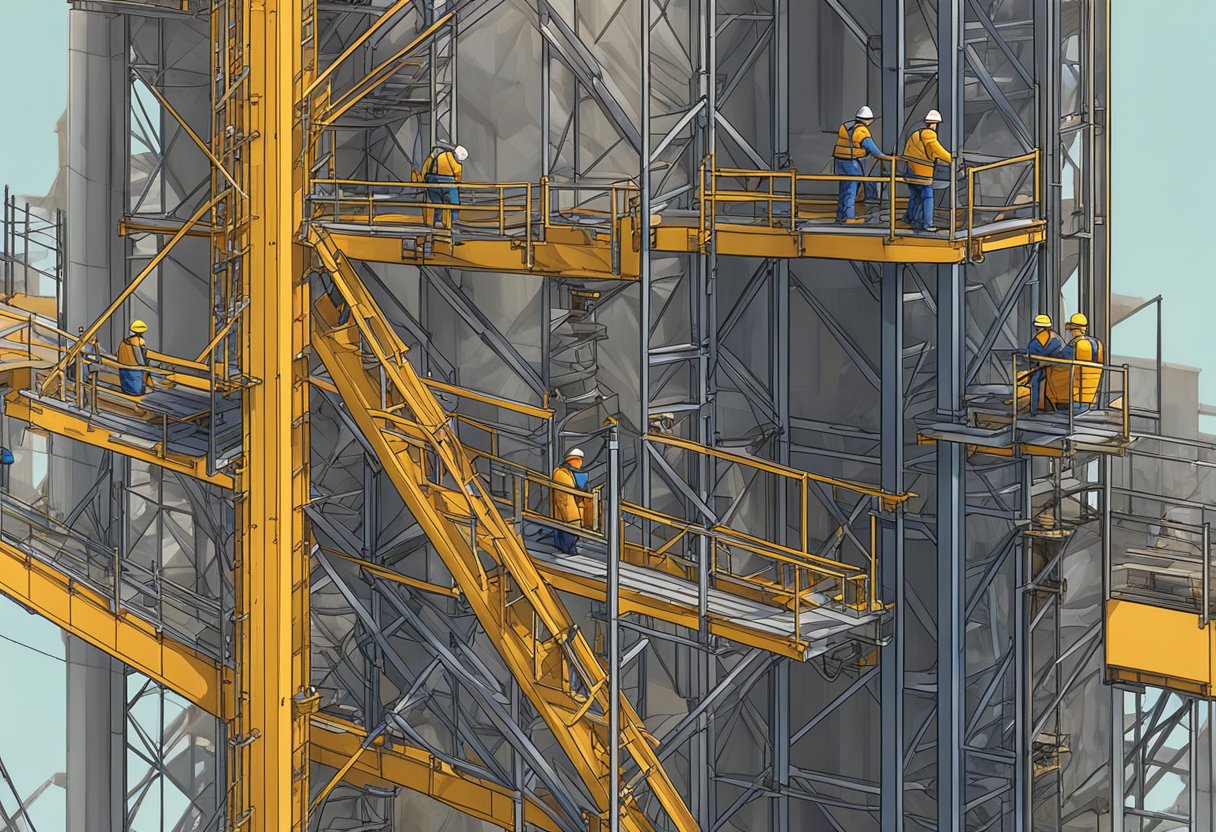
x,y
732,616
166,427
992,427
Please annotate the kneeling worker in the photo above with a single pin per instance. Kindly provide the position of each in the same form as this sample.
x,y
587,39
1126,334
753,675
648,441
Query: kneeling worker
x,y
133,353
444,167
570,508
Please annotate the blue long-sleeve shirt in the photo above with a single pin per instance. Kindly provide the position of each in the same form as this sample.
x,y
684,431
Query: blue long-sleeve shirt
x,y
1051,347
868,145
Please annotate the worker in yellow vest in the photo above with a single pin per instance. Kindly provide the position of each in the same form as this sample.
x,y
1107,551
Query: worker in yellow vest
x,y
1085,380
444,167
133,353
1048,344
853,143
921,155
570,508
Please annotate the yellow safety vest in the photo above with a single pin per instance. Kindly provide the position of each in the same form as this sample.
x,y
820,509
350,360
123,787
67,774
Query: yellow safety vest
x,y
567,507
922,152
131,351
848,141
442,164
1085,380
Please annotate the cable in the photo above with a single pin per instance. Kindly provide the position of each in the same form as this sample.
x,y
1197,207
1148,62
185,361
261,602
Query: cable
x,y
29,647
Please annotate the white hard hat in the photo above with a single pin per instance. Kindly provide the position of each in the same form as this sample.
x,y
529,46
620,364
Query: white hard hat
x,y
576,453
933,117
864,112
462,154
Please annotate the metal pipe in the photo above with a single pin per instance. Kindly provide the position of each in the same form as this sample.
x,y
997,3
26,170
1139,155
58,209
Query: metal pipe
x,y
614,635
1206,578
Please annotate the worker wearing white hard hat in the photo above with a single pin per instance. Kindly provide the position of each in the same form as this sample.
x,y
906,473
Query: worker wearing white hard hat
x,y
132,354
921,155
445,166
568,507
853,143
1046,343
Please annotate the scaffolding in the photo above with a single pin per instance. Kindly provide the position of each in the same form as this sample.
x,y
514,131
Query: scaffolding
x,y
833,574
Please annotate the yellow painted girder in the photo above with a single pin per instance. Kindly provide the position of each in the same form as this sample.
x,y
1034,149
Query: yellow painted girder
x,y
528,636
1156,646
334,741
569,251
81,611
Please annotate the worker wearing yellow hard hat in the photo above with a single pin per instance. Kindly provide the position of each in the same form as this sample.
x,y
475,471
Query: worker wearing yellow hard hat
x,y
1045,343
921,155
133,353
567,507
853,143
1083,380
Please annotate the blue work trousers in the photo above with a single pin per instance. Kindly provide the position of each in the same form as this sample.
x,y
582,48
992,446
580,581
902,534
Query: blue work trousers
x,y
566,542
848,190
132,382
442,196
920,206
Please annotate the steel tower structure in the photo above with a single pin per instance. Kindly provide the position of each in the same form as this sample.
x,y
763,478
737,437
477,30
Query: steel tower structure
x,y
834,579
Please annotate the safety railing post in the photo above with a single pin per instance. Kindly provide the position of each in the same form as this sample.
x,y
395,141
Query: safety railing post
x,y
1206,578
614,635
891,200
1013,424
1072,392
117,581
1127,402
970,210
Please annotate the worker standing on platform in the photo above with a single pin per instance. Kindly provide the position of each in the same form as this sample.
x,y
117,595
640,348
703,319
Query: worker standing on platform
x,y
1085,380
570,508
921,155
1046,342
132,353
853,143
444,167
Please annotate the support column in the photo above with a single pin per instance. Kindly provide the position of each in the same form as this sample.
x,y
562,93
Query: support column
x,y
891,664
96,730
273,484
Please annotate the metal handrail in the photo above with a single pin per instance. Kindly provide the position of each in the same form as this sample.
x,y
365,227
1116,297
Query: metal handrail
x,y
1073,364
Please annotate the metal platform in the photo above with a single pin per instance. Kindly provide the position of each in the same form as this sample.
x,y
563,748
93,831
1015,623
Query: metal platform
x,y
668,598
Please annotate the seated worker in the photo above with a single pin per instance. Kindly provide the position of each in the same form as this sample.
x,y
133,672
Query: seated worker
x,y
444,167
132,353
1085,380
570,508
853,143
1046,342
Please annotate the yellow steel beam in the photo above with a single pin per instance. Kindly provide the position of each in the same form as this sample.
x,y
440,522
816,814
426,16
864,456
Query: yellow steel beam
x,y
89,615
271,771
383,763
206,684
519,611
1161,647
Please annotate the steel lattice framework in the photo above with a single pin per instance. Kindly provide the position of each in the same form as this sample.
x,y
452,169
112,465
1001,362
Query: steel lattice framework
x,y
327,576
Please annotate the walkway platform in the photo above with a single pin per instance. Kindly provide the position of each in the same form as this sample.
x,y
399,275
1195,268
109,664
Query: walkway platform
x,y
668,598
991,427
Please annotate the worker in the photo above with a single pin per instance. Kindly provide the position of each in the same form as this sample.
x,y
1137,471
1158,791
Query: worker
x,y
1046,343
1084,380
570,508
444,167
853,143
133,352
921,155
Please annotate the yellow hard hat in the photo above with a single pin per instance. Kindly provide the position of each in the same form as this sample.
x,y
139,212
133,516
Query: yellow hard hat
x,y
1042,320
1078,320
139,326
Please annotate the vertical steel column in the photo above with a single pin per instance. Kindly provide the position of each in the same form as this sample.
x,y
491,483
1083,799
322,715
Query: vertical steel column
x,y
274,478
1118,775
614,634
891,662
642,229
951,474
779,699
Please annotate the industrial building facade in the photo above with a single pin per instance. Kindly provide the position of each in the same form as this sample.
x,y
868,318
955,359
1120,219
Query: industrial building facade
x,y
831,573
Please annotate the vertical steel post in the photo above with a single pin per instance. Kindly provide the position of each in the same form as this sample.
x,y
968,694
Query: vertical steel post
x,y
891,666
642,230
613,510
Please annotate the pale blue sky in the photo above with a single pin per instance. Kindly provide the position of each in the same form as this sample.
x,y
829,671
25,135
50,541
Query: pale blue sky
x,y
1163,67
